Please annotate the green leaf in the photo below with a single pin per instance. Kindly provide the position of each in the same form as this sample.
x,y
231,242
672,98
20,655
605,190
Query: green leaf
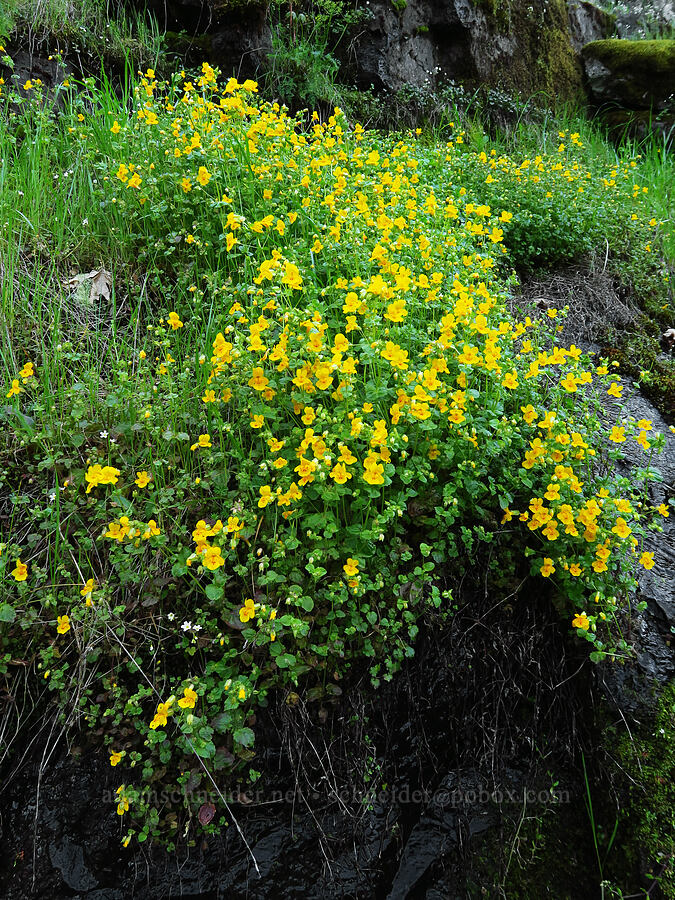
x,y
214,591
7,613
244,737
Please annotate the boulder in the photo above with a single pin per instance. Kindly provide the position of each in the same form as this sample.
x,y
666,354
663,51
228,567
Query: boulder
x,y
632,74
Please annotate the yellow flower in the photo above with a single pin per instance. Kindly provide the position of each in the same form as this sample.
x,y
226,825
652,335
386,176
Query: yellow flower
x,y
186,184
87,590
617,435
134,181
115,127
174,321
63,624
575,569
266,496
27,371
142,479
510,380
98,474
15,389
647,560
257,421
581,621
373,471
20,572
151,530
339,473
615,389
548,568
161,716
529,413
569,382
663,510
189,698
203,176
212,559
621,528
351,567
247,611
115,758
258,381
204,440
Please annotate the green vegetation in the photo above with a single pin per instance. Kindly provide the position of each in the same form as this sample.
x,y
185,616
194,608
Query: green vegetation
x,y
264,403
94,29
648,818
301,68
648,57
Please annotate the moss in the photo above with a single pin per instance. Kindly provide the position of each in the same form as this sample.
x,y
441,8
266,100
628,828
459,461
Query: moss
x,y
648,818
628,57
545,63
642,72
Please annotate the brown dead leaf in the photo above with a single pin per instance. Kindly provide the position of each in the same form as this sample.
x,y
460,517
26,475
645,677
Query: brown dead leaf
x,y
206,813
89,287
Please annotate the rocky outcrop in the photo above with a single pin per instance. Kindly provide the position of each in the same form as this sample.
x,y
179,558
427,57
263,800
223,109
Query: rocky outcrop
x,y
518,46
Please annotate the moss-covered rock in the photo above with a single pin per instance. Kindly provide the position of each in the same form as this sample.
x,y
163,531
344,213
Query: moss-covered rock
x,y
636,74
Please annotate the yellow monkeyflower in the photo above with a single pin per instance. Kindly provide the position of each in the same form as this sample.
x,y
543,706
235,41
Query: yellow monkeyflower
x,y
162,714
27,371
351,567
20,571
247,611
212,559
339,473
151,530
548,568
142,479
647,560
115,757
174,321
581,621
617,434
621,528
204,440
189,698
63,624
15,389
88,590
203,176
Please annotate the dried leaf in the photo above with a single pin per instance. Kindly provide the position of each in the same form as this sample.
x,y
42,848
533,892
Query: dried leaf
x,y
88,287
206,813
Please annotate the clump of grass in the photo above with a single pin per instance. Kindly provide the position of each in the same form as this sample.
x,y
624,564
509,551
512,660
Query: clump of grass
x,y
102,30
286,411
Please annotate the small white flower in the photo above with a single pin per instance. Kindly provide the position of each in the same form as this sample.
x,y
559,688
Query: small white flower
x,y
171,616
186,626
103,434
